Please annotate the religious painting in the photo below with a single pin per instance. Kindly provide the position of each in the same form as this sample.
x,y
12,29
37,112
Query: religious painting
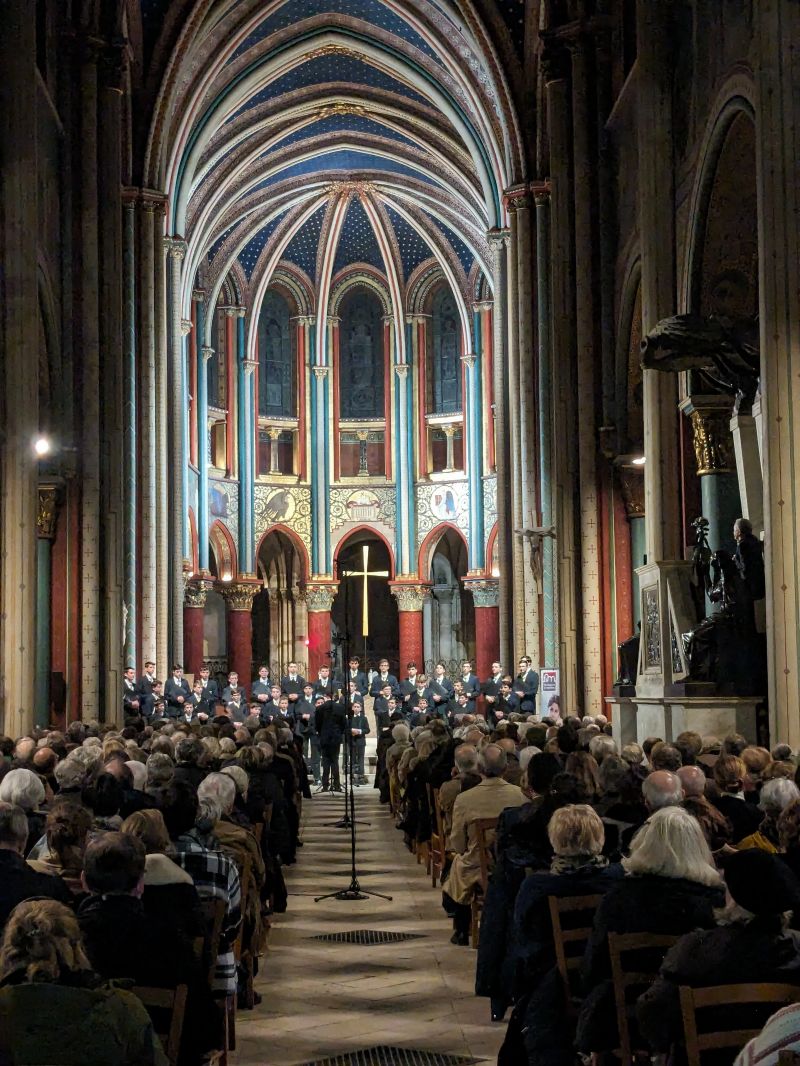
x,y
288,506
363,506
279,506
361,368
443,504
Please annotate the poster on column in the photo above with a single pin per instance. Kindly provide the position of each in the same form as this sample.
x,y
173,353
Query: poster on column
x,y
551,685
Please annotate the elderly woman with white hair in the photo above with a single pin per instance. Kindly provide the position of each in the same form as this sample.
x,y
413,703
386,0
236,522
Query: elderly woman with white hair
x,y
775,797
671,886
23,788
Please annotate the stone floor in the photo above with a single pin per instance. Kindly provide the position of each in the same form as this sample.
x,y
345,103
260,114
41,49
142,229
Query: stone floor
x,y
322,999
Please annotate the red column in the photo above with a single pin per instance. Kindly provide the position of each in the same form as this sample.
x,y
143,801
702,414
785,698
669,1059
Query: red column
x,y
239,599
485,594
192,638
319,599
410,599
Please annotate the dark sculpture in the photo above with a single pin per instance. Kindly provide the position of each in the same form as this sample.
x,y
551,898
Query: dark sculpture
x,y
628,652
724,350
701,566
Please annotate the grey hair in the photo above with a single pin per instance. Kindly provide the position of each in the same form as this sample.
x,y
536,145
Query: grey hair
x,y
239,778
209,812
526,755
492,761
466,758
401,732
633,754
658,796
220,787
138,773
600,746
776,795
13,825
671,844
22,788
744,525
160,769
69,773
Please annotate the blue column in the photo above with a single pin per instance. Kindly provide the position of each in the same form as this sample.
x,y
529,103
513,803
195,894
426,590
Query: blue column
x,y
320,451
473,431
203,355
549,603
246,443
404,478
638,558
129,431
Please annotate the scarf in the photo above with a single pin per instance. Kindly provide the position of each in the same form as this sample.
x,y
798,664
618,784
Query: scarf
x,y
568,864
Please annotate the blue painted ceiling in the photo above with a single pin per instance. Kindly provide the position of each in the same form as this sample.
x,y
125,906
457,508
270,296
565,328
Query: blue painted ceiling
x,y
248,256
357,242
302,248
342,124
465,256
413,249
342,159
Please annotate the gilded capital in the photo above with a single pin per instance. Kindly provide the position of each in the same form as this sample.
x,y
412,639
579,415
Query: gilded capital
x,y
632,481
249,366
321,597
186,326
239,595
320,372
410,597
196,592
485,591
711,437
47,512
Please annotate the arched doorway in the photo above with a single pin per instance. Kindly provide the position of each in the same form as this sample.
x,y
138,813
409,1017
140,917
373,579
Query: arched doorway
x,y
449,618
347,614
277,628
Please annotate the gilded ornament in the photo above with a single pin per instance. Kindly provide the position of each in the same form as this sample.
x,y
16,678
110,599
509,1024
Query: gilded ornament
x,y
485,592
410,597
196,593
239,596
321,597
711,439
47,512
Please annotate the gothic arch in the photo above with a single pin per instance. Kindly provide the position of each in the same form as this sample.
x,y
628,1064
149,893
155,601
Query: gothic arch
x,y
363,528
224,551
358,276
298,544
429,545
627,374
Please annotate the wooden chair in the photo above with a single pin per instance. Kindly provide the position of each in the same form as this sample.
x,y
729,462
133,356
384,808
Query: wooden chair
x,y
770,996
483,827
214,911
631,980
438,839
166,1005
570,943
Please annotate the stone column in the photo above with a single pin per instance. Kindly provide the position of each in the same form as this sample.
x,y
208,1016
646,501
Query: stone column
x,y
498,240
410,600
443,594
194,602
657,236
19,328
45,534
632,482
146,402
247,421
485,594
473,416
319,600
719,489
239,601
130,432
777,64
162,457
176,251
204,355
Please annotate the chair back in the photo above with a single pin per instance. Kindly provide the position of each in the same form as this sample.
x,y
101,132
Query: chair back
x,y
570,940
214,914
437,836
484,834
761,999
635,962
166,1007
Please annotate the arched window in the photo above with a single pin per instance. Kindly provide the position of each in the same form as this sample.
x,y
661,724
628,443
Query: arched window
x,y
276,359
361,361
445,362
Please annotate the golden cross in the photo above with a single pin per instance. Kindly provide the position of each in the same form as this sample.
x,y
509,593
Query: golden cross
x,y
366,573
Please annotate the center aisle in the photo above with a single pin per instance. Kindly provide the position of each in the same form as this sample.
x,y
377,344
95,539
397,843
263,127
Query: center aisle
x,y
322,999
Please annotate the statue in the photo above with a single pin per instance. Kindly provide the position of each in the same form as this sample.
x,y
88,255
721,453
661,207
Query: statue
x,y
700,581
628,652
536,538
724,350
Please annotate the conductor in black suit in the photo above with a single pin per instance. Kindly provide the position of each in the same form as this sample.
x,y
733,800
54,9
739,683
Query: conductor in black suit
x,y
176,692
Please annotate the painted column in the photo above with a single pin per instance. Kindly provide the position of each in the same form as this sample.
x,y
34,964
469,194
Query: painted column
x,y
713,450
129,423
549,602
239,602
194,603
404,469
203,355
319,600
45,534
162,456
473,417
320,472
247,422
443,594
146,403
410,602
498,240
176,251
485,595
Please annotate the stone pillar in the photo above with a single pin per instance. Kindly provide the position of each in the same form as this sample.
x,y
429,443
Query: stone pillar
x,y
239,601
320,472
146,404
247,421
719,490
404,468
319,600
473,419
632,482
545,427
204,355
443,594
487,625
130,433
45,534
176,251
19,328
410,600
162,457
498,240
194,602
776,25
657,236
428,647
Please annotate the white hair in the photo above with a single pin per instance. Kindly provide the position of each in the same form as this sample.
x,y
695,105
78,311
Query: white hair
x,y
22,788
400,732
239,777
526,754
778,794
671,844
69,773
600,746
220,787
138,773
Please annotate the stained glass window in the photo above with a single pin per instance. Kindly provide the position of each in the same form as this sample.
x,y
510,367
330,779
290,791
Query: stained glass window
x,y
361,362
276,359
445,361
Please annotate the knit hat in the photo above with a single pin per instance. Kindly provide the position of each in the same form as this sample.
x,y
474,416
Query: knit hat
x,y
761,883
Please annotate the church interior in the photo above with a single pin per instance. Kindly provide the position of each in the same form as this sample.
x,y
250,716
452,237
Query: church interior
x,y
426,330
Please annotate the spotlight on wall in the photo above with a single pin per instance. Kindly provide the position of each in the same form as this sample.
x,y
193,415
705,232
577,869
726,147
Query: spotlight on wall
x,y
227,577
640,460
42,446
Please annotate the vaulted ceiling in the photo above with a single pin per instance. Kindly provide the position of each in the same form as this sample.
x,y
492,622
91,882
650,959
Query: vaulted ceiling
x,y
317,134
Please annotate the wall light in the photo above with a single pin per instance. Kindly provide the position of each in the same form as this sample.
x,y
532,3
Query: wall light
x,y
640,460
227,577
42,446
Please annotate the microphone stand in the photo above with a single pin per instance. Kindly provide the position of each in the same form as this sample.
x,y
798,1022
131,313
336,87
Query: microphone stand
x,y
354,890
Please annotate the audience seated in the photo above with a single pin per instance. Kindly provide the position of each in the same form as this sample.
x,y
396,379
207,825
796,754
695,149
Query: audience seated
x,y
66,830
729,775
24,789
18,881
774,798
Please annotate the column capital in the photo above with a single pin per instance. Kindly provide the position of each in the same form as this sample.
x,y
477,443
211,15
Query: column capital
x,y
305,320
498,238
483,305
47,512
333,320
517,197
401,369
320,597
186,326
485,591
410,597
175,247
469,359
632,481
249,366
196,592
320,372
199,296
541,193
240,594
206,353
711,435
